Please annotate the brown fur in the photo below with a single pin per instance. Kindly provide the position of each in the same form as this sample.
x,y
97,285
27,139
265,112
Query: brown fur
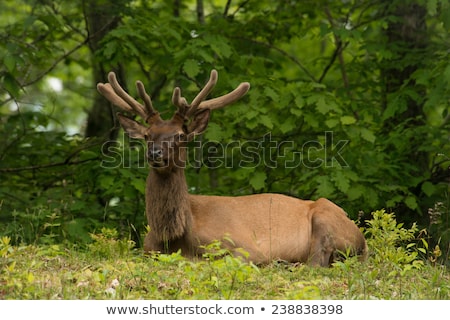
x,y
267,226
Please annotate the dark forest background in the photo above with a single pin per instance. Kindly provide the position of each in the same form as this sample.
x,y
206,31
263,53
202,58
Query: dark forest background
x,y
354,93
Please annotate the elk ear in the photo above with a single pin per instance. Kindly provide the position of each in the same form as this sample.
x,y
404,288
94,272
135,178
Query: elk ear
x,y
199,123
133,128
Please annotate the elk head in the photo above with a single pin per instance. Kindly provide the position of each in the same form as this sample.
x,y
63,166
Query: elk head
x,y
167,139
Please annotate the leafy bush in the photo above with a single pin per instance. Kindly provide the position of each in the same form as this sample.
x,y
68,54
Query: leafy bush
x,y
59,188
396,256
390,241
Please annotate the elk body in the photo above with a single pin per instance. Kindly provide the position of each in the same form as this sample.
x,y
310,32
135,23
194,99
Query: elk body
x,y
267,226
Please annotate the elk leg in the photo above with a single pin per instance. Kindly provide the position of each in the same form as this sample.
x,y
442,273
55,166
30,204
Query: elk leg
x,y
322,244
321,252
151,244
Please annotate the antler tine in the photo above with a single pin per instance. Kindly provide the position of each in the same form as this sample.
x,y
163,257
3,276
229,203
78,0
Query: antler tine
x,y
147,100
226,99
177,100
107,91
203,93
135,106
186,110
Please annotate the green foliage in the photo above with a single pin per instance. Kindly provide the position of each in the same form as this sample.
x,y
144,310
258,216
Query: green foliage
x,y
397,258
390,241
107,244
324,116
66,190
220,274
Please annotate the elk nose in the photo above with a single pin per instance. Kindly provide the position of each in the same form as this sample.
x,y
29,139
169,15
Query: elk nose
x,y
155,154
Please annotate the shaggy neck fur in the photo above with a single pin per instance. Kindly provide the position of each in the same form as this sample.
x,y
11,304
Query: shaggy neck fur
x,y
167,205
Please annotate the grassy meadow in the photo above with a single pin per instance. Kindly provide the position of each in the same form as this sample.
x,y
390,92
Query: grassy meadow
x,y
401,265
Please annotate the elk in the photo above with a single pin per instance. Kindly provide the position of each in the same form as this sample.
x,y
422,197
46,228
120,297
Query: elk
x,y
267,226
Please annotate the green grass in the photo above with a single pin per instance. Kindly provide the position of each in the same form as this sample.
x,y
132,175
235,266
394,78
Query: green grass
x,y
398,268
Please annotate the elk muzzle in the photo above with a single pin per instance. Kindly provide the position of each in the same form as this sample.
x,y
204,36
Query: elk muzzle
x,y
155,156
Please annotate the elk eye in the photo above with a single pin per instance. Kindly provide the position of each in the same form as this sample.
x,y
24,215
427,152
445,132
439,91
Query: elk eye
x,y
179,137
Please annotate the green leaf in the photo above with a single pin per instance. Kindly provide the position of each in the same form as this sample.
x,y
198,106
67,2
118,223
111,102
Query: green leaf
x,y
109,50
355,192
206,56
367,135
219,45
411,202
410,245
271,94
216,132
446,74
132,48
28,22
139,185
341,181
174,33
11,85
431,7
106,181
394,200
191,68
325,188
445,16
311,120
331,123
396,104
371,198
345,120
422,250
425,243
299,101
288,125
322,106
266,121
257,181
251,114
10,62
51,21
428,188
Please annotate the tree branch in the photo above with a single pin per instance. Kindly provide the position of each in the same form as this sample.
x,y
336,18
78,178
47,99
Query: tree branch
x,y
47,71
56,62
240,6
227,8
284,53
338,50
331,62
176,8
200,12
48,165
67,160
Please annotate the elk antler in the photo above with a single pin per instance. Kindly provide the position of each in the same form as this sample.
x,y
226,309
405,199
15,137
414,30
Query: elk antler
x,y
118,96
187,110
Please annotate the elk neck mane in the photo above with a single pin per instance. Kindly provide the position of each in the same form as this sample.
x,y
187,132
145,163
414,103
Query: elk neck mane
x,y
168,207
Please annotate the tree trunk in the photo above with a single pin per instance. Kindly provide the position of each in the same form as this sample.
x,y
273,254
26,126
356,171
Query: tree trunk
x,y
407,40
102,17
